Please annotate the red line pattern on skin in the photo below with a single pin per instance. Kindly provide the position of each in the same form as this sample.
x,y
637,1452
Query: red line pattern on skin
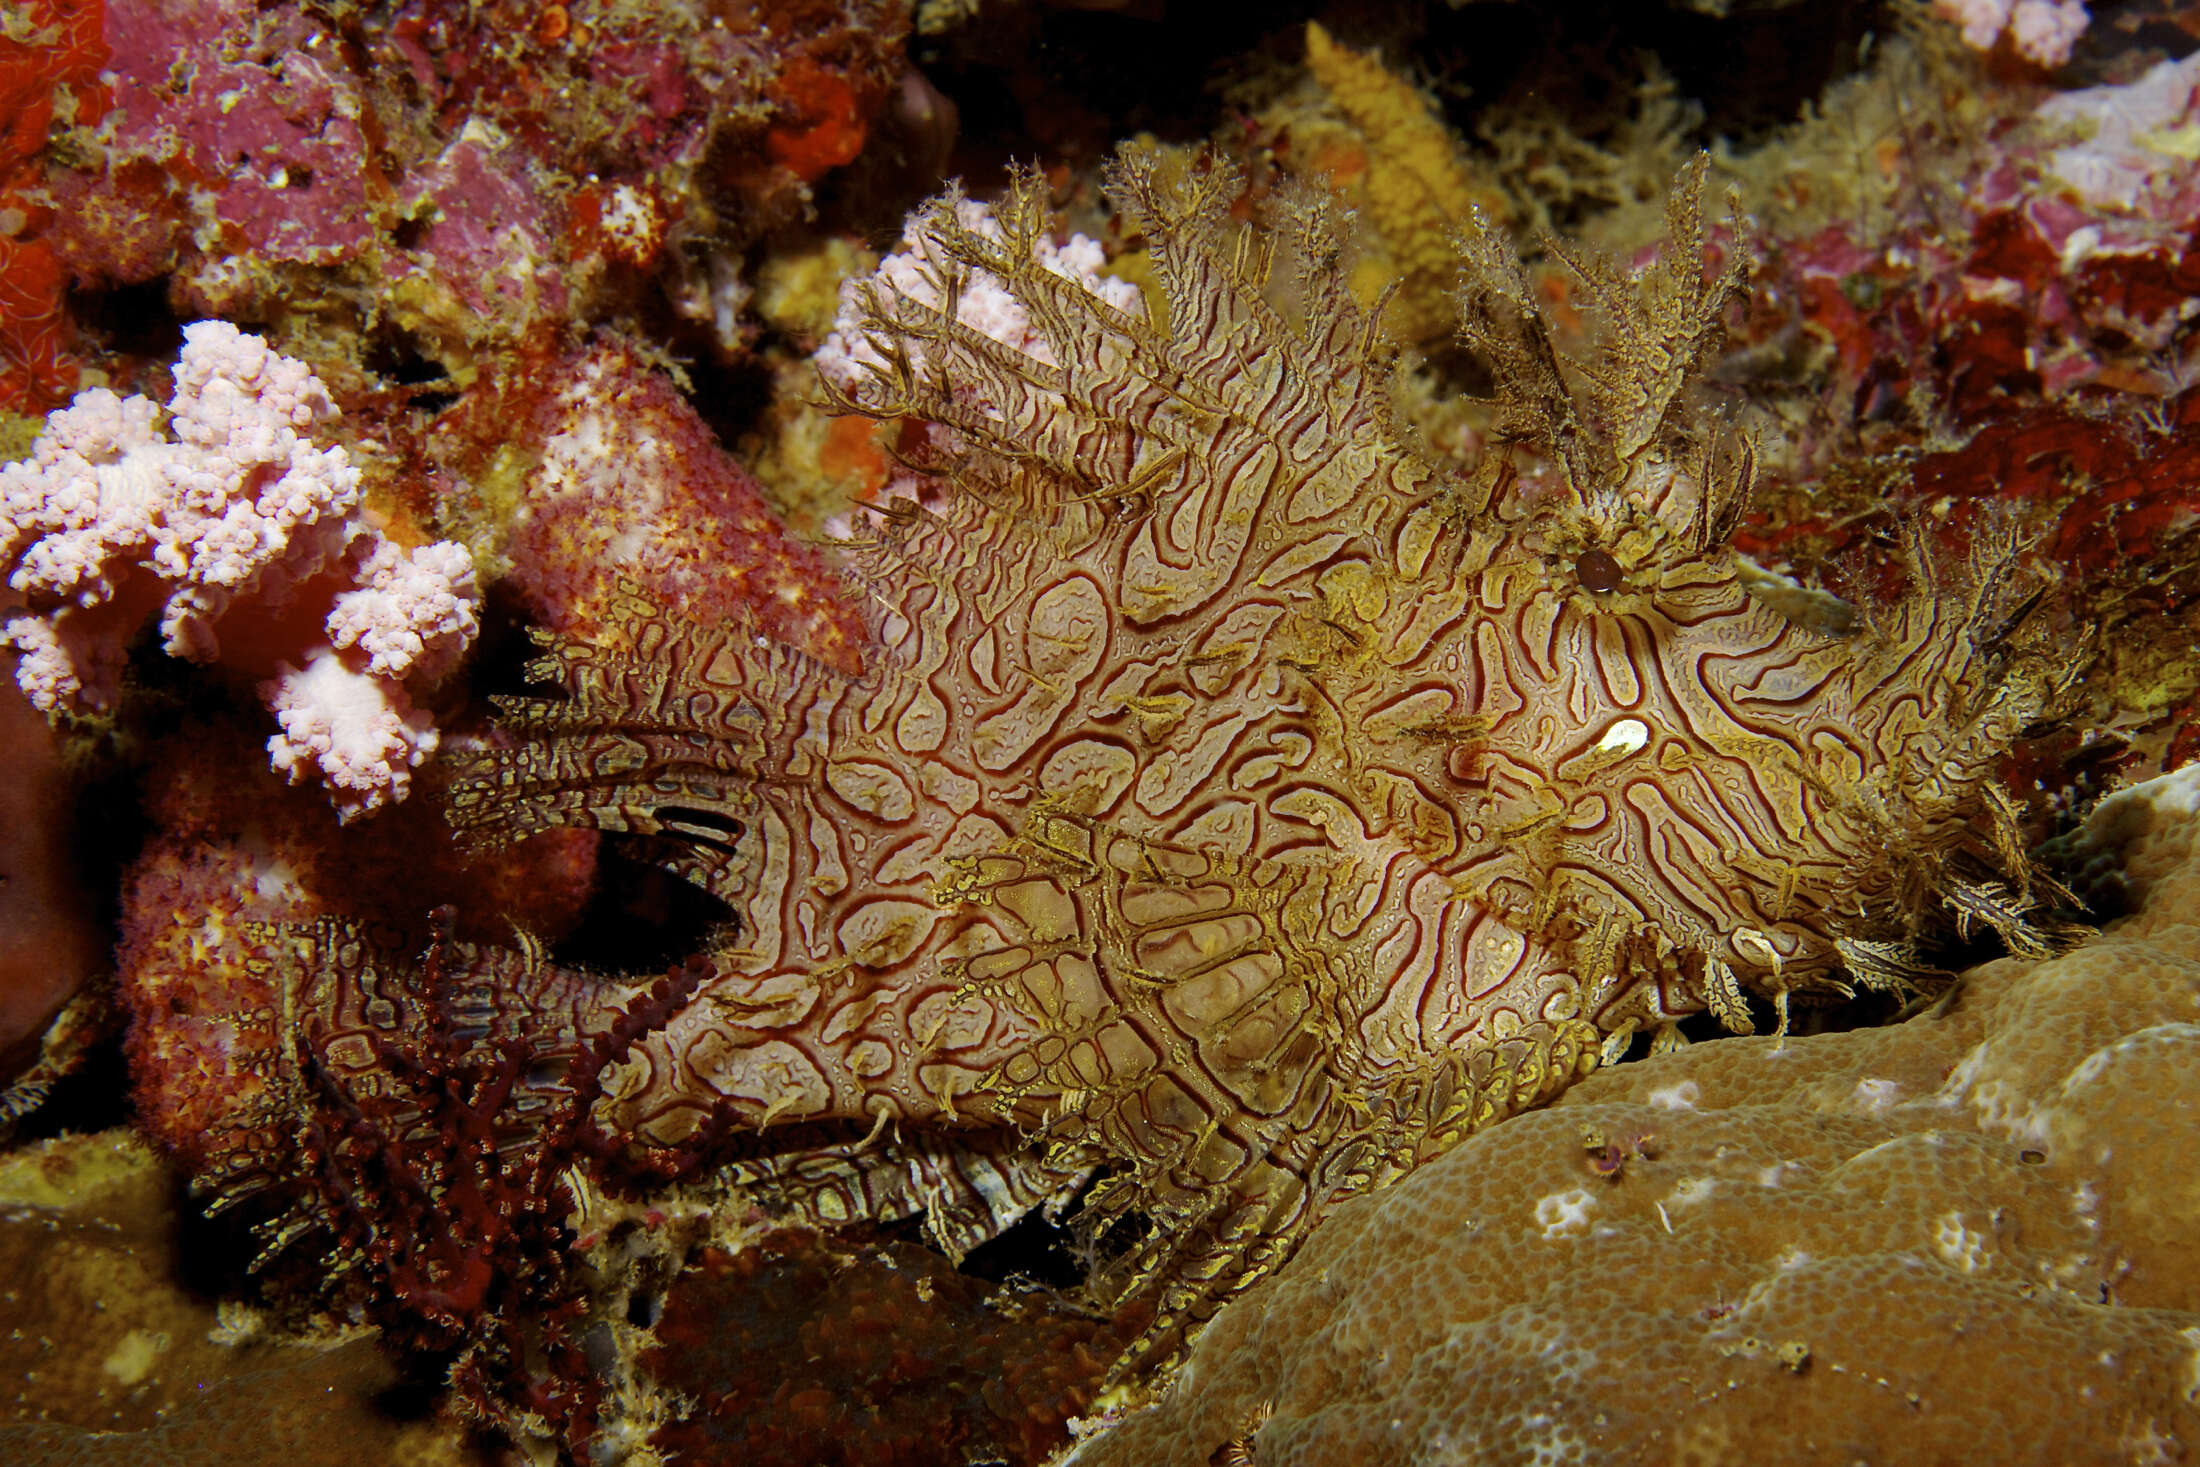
x,y
1235,806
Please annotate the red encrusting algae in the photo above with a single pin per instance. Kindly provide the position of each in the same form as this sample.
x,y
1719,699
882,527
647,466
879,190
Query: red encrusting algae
x,y
53,57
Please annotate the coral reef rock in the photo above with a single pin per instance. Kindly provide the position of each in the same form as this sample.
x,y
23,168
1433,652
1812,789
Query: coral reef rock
x,y
114,1360
472,178
884,1355
53,943
1233,803
1961,1238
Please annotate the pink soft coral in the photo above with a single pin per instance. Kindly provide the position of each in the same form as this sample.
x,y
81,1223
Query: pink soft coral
x,y
414,616
357,732
849,358
2041,31
345,714
235,515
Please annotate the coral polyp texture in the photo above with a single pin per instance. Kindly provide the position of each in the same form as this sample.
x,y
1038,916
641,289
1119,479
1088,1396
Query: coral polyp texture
x,y
1236,806
51,56
113,1357
235,518
631,488
1891,1245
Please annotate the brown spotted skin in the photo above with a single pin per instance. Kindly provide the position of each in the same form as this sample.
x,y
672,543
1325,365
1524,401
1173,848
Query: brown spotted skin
x,y
1236,806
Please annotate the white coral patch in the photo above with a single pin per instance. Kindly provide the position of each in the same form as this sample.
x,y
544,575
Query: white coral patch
x,y
1692,1190
274,879
134,1356
1960,1246
1564,1212
1965,1074
2089,1069
2085,1201
633,224
1872,1095
1550,1441
2003,1109
1682,1096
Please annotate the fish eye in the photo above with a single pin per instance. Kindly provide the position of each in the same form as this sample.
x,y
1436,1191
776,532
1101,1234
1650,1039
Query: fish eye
x,y
1598,572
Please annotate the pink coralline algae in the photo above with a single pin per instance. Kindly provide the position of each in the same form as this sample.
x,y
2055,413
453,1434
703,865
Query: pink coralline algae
x,y
234,517
268,140
484,234
471,175
2073,272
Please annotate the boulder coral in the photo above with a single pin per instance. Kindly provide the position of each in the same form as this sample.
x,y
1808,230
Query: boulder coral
x,y
1961,1238
114,1358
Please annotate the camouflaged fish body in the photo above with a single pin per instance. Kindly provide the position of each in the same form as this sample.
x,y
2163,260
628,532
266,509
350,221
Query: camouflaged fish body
x,y
1236,806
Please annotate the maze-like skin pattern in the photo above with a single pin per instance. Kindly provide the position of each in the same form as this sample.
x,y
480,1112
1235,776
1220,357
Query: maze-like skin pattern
x,y
1235,805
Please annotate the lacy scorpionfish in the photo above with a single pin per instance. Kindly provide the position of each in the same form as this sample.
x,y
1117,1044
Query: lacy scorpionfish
x,y
1233,806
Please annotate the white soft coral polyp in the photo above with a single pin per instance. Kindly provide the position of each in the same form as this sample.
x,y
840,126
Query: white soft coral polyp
x,y
848,358
413,614
223,519
89,491
235,506
357,732
2041,31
